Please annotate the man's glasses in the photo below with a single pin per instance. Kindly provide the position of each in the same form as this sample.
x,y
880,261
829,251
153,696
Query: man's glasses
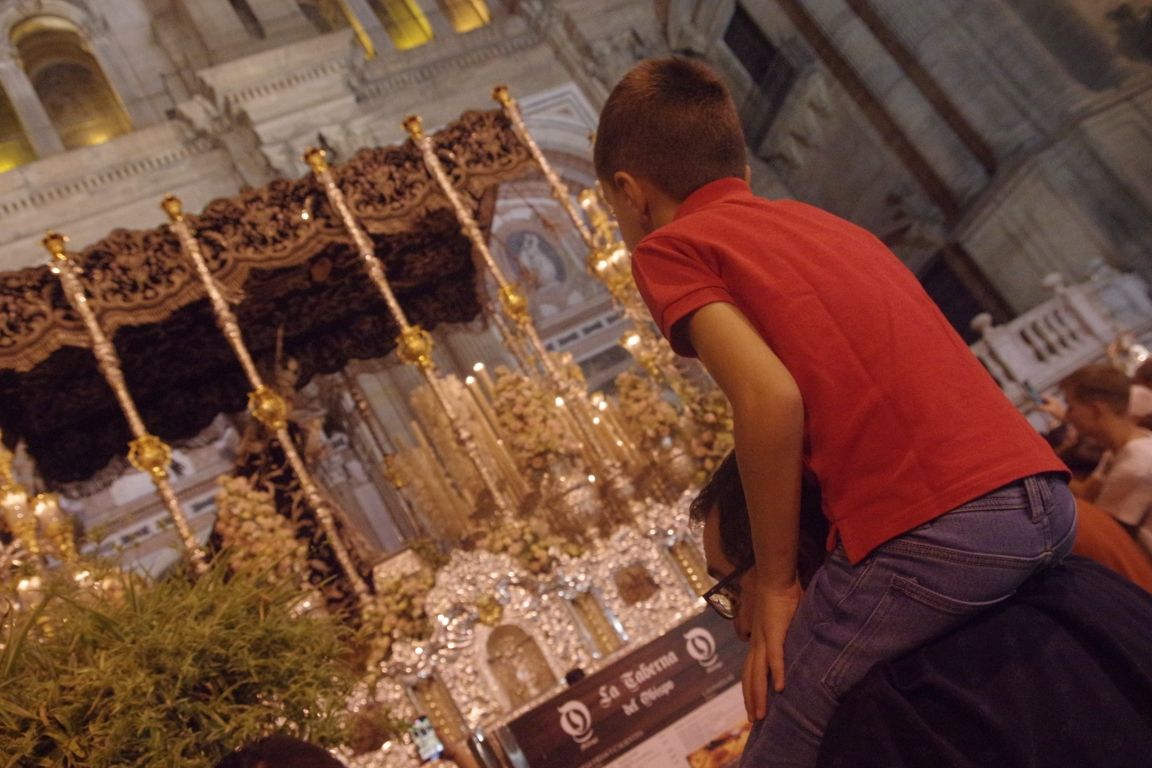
x,y
724,595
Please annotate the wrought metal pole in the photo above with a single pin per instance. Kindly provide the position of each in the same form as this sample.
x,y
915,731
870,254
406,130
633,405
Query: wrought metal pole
x,y
146,452
264,403
414,344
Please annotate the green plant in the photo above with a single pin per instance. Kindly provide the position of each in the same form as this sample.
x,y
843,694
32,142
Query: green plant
x,y
171,673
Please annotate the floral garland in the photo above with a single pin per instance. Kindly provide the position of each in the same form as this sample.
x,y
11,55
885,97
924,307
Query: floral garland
x,y
401,606
529,542
529,422
259,540
712,438
652,419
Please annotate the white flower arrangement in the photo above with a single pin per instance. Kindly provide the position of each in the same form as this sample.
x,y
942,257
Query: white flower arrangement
x,y
259,540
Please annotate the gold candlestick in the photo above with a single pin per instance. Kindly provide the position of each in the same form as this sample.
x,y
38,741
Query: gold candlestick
x,y
385,450
414,345
57,527
147,452
20,517
265,404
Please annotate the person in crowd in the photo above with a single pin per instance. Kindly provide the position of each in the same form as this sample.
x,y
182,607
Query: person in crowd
x,y
1076,637
280,751
1097,398
942,498
1140,395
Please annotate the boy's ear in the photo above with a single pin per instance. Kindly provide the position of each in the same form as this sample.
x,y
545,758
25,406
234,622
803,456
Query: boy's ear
x,y
632,190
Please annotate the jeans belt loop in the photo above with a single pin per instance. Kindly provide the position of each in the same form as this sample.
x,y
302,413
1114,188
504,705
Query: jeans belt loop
x,y
1038,495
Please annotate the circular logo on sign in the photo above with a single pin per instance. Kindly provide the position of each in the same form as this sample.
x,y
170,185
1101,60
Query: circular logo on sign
x,y
701,646
576,721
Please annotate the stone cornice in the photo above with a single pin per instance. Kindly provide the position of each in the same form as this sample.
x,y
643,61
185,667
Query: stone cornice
x,y
374,88
36,193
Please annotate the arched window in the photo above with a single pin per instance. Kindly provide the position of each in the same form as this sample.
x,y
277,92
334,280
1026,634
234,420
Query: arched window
x,y
83,107
404,22
14,147
466,15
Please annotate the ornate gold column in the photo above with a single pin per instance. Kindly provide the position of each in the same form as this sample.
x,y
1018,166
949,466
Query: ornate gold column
x,y
559,191
515,306
414,344
264,403
146,452
607,260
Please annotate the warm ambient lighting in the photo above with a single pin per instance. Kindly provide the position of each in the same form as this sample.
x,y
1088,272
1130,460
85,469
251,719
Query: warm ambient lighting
x,y
466,15
405,23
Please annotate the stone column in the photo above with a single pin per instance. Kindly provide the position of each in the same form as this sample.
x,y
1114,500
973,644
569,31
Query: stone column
x,y
368,19
220,27
120,75
37,125
441,25
282,19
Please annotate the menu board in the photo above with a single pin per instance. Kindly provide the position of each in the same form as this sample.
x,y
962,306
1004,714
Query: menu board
x,y
677,695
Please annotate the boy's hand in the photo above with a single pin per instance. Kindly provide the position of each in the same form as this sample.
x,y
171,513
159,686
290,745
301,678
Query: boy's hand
x,y
772,609
1053,407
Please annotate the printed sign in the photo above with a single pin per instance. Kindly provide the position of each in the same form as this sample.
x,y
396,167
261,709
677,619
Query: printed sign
x,y
632,699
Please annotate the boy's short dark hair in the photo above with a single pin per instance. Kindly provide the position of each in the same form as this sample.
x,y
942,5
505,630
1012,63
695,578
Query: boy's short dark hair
x,y
673,123
1099,384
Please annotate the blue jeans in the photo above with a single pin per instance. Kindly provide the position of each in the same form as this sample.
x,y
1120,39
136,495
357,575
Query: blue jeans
x,y
907,592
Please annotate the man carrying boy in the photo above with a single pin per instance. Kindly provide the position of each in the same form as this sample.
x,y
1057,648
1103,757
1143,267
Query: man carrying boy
x,y
833,358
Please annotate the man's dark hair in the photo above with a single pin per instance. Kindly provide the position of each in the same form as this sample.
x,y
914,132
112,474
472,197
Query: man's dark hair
x,y
725,493
672,122
1099,384
280,751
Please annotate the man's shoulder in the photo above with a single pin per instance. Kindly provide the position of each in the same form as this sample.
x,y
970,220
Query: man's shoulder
x,y
1139,449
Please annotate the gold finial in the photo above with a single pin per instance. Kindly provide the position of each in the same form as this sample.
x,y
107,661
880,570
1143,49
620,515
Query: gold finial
x,y
415,126
268,407
55,243
514,303
316,158
414,346
500,93
173,207
150,454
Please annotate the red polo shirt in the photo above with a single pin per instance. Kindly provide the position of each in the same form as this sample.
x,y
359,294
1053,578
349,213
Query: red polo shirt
x,y
901,421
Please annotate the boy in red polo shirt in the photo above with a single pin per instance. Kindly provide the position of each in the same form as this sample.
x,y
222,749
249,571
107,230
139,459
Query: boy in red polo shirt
x,y
941,498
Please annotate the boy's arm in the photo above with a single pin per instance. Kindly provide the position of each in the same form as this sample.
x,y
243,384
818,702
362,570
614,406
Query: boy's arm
x,y
768,415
